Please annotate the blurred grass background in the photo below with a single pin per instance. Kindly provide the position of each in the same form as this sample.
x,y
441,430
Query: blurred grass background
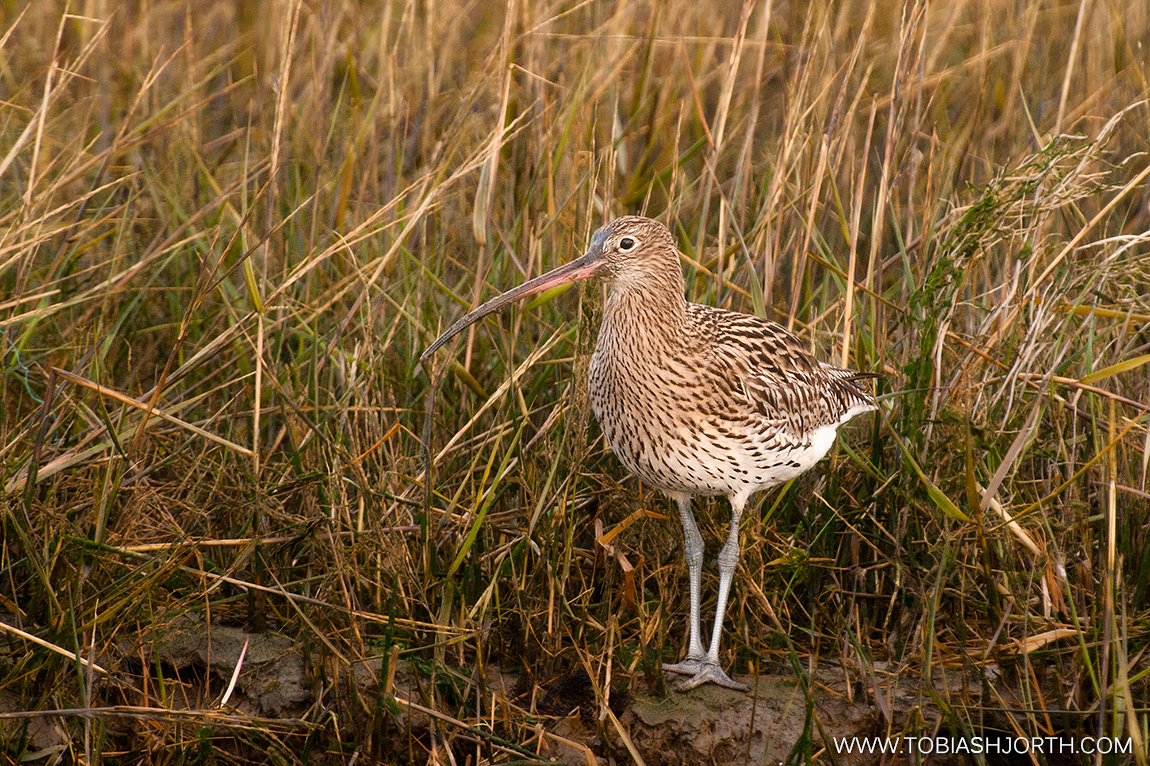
x,y
227,231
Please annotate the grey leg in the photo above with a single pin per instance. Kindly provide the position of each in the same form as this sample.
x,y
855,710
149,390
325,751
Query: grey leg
x,y
693,548
728,561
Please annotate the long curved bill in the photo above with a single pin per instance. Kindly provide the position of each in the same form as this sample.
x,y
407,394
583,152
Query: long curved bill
x,y
583,267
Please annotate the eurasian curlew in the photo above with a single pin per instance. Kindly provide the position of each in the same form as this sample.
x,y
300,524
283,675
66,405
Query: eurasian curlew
x,y
695,400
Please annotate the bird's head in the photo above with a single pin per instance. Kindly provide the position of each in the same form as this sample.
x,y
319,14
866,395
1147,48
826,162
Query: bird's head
x,y
633,250
628,252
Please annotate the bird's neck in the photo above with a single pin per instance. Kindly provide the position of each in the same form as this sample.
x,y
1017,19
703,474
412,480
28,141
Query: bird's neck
x,y
640,316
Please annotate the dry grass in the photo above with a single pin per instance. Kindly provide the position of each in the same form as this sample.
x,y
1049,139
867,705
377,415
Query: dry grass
x,y
222,251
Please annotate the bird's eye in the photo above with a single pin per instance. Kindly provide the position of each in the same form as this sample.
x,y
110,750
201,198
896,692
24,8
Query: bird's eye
x,y
626,243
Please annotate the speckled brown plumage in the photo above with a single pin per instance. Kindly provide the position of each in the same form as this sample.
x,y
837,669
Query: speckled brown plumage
x,y
696,400
704,401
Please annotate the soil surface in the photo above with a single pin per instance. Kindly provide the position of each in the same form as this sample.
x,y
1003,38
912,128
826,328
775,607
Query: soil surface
x,y
563,719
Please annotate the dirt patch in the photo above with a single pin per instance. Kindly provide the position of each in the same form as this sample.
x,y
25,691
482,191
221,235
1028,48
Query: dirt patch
x,y
279,687
713,724
563,719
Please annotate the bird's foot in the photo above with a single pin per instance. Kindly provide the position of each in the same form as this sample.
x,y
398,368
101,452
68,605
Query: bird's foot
x,y
707,672
688,667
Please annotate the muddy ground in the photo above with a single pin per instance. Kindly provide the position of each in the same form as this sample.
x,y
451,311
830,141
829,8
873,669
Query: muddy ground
x,y
277,687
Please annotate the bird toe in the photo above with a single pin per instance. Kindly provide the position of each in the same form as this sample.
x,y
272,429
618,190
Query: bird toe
x,y
688,667
709,673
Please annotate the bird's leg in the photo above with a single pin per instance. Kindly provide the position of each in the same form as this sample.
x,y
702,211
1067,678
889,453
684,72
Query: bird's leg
x,y
728,560
693,549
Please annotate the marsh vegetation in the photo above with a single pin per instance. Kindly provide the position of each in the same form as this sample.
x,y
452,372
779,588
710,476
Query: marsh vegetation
x,y
227,231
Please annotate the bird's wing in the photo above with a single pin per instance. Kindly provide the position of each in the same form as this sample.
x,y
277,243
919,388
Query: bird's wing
x,y
776,377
